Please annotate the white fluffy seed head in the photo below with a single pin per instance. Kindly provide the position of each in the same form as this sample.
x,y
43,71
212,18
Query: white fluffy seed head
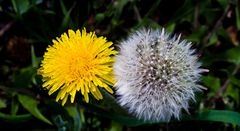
x,y
156,75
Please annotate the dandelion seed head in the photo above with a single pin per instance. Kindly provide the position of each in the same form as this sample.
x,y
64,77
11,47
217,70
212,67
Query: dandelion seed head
x,y
156,75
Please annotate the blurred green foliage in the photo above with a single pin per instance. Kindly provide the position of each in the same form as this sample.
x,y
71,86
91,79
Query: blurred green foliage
x,y
28,26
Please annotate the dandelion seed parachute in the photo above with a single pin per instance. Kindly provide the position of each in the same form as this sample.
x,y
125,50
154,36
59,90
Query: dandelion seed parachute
x,y
156,75
78,62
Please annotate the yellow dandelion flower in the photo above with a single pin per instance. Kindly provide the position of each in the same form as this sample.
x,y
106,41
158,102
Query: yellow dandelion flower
x,y
78,61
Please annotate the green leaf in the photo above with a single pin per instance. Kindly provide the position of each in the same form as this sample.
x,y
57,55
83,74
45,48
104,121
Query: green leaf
x,y
35,60
153,8
15,118
14,3
99,17
183,12
213,40
217,116
198,34
21,6
119,7
14,106
30,105
231,91
74,113
110,102
234,81
147,22
36,2
64,10
124,120
60,123
66,14
232,55
223,3
212,82
224,34
237,10
2,104
171,27
208,115
116,126
24,77
35,63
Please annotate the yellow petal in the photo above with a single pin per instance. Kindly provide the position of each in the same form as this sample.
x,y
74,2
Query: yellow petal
x,y
73,93
108,89
86,97
64,100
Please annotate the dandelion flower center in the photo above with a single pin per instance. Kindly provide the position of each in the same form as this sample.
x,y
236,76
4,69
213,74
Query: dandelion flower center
x,y
78,61
80,68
